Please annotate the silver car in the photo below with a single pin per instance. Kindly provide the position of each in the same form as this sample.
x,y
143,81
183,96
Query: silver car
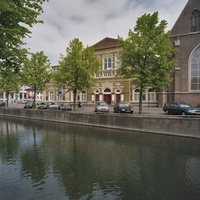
x,y
101,107
54,105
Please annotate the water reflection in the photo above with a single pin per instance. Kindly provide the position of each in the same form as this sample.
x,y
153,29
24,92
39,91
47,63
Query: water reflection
x,y
41,160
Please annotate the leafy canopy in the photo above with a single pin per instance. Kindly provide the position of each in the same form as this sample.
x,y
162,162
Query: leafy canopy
x,y
77,68
16,17
147,54
36,71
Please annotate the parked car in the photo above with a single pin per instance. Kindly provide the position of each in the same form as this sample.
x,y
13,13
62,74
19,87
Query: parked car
x,y
2,103
101,106
123,108
181,109
29,104
42,105
65,106
54,105
21,101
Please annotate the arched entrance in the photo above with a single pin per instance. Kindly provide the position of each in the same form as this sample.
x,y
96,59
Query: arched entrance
x,y
107,96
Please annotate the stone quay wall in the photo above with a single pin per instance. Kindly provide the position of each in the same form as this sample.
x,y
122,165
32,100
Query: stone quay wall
x,y
185,126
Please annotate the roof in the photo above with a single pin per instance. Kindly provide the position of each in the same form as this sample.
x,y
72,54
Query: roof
x,y
106,43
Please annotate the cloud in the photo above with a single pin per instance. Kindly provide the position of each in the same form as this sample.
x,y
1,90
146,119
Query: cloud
x,y
93,20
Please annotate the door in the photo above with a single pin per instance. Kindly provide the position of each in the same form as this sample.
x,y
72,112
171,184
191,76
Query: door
x,y
107,98
97,97
118,98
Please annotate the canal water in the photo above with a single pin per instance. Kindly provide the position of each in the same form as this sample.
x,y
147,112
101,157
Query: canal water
x,y
54,161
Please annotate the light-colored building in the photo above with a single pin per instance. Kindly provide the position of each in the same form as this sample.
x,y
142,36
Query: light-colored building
x,y
108,86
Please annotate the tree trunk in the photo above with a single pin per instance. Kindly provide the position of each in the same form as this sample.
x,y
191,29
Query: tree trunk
x,y
7,93
34,104
140,102
74,100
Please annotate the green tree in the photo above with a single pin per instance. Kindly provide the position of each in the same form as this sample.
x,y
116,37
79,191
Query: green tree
x,y
146,55
16,17
77,68
36,72
9,81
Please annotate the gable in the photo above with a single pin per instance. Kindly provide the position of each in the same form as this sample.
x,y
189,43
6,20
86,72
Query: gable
x,y
106,43
183,24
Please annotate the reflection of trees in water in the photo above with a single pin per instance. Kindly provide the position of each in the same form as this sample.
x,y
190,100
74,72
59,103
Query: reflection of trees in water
x,y
9,143
86,160
33,161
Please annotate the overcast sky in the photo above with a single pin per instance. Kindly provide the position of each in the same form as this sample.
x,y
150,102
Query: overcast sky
x,y
92,21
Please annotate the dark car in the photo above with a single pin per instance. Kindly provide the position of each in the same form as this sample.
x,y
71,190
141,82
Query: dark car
x,y
123,108
42,105
29,104
65,106
2,103
54,105
180,109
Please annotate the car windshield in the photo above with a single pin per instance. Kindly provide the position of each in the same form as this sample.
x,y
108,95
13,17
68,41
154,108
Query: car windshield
x,y
66,104
123,105
102,104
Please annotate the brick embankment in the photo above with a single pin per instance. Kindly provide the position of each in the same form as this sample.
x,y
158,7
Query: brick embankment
x,y
185,126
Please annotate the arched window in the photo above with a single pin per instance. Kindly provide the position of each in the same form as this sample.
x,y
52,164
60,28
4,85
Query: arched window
x,y
107,90
195,70
83,96
195,21
151,95
136,95
51,96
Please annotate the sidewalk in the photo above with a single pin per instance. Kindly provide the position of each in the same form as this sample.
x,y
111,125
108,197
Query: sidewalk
x,y
90,108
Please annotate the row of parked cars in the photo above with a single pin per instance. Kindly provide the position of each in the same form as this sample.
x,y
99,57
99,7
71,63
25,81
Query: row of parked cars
x,y
52,105
102,106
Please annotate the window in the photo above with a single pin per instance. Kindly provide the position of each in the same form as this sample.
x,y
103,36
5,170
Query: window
x,y
51,96
151,95
137,95
118,63
107,74
195,70
83,96
107,63
195,21
97,75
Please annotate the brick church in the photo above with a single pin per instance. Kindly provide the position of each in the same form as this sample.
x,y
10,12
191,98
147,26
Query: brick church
x,y
185,36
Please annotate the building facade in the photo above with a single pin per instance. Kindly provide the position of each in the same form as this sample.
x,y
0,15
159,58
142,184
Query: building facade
x,y
108,87
185,36
185,86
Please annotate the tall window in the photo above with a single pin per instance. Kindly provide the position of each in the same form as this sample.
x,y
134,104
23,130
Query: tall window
x,y
83,96
107,63
195,21
136,95
195,70
118,63
151,95
51,96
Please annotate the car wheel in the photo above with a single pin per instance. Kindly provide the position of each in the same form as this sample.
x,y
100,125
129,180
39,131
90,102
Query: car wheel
x,y
167,111
182,113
